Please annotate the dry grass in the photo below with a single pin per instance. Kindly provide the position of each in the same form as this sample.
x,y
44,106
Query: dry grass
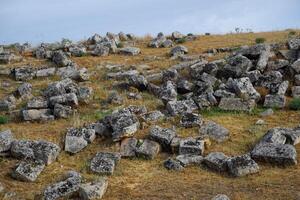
x,y
140,179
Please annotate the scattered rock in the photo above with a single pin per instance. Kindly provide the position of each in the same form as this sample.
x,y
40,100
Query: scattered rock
x,y
181,107
105,163
191,146
152,116
237,104
172,164
93,190
221,197
148,149
242,166
128,147
163,136
131,51
216,161
267,112
6,139
215,131
28,171
187,160
189,120
275,101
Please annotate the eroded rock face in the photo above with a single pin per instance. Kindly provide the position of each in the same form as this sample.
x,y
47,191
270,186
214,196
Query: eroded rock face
x,y
28,171
6,139
105,163
63,188
191,146
78,138
163,136
215,131
123,123
148,149
280,154
44,151
242,166
93,190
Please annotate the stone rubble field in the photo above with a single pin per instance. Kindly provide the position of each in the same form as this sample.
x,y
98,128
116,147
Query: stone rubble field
x,y
169,117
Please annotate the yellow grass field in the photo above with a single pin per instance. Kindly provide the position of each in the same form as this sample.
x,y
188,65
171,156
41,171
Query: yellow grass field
x,y
148,179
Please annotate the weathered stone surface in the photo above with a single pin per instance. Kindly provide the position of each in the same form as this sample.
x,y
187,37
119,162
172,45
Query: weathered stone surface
x,y
175,145
187,160
77,51
242,166
181,107
279,154
184,86
105,163
37,103
60,87
73,72
216,161
45,72
178,50
35,150
8,103
101,50
215,131
64,188
131,51
167,92
28,171
163,136
148,150
37,115
177,35
78,138
244,89
172,164
93,190
138,81
6,139
128,147
152,116
69,99
124,124
191,146
294,43
189,120
61,59
296,91
221,197
236,67
24,73
296,66
137,109
275,135
237,104
115,98
61,111
24,91
282,88
7,58
84,94
267,112
274,101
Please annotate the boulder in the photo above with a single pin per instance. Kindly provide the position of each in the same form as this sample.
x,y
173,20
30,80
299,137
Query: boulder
x,y
93,190
172,164
101,50
294,43
115,98
267,112
275,136
35,150
170,75
184,86
64,188
221,197
37,103
167,44
58,88
69,99
282,88
28,171
189,120
176,35
237,104
6,139
163,136
296,91
244,89
73,72
187,160
216,161
153,116
167,92
77,51
105,163
8,103
45,72
236,67
24,73
297,79
61,59
158,41
191,146
138,81
274,101
178,50
279,154
181,107
24,91
148,149
84,94
124,124
296,66
7,58
214,131
61,111
37,115
78,138
130,51
128,147
137,110
242,166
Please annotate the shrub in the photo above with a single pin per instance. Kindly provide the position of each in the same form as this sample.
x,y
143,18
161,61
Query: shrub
x,y
295,104
181,41
292,33
3,120
120,45
260,40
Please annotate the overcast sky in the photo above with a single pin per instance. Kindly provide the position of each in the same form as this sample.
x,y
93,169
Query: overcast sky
x,y
50,20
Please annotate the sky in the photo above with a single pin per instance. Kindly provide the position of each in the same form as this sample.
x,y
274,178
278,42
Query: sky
x,y
38,21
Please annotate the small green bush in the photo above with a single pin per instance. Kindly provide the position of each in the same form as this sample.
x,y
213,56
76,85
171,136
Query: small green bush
x,y
260,40
295,104
181,41
3,120
120,45
292,33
